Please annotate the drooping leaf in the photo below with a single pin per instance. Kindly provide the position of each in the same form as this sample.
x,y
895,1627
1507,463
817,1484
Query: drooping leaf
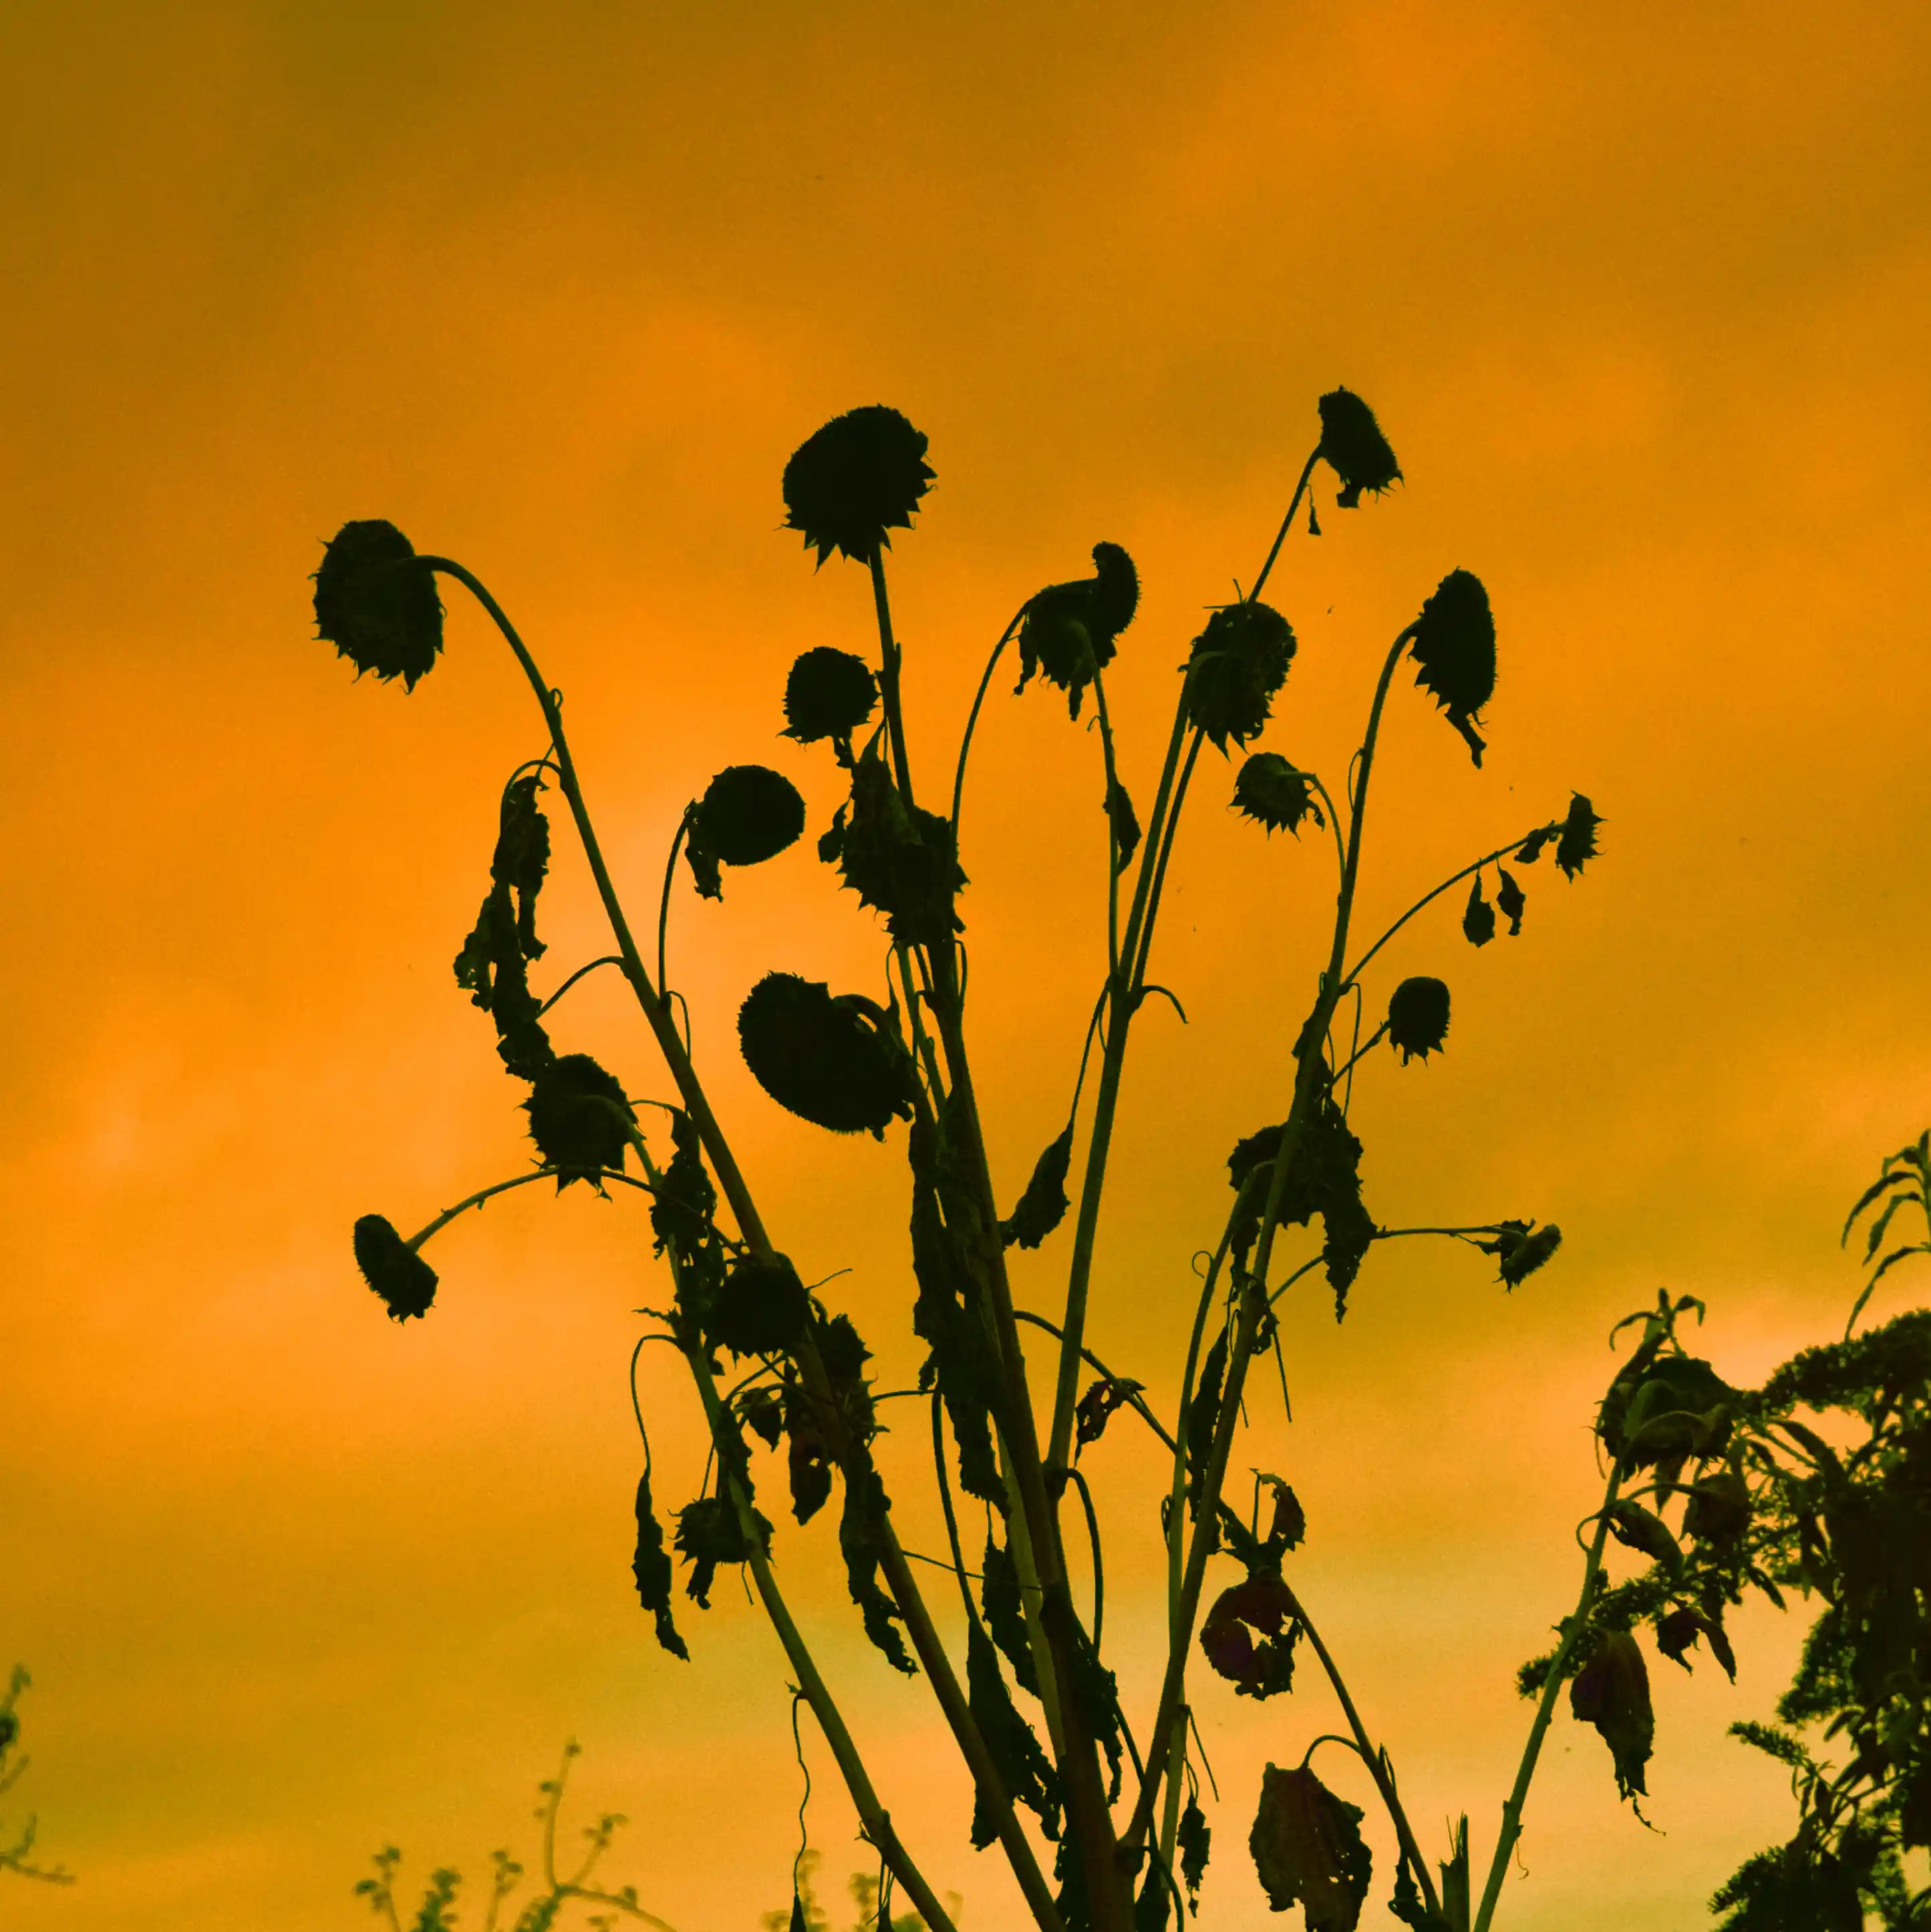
x,y
1043,1206
1510,901
861,1542
1611,1692
1478,921
1005,1611
762,1411
1308,1850
850,483
1325,1179
651,1566
1024,1768
404,1280
1125,824
1644,1532
1203,1417
1194,1841
1247,1639
1095,1408
807,1457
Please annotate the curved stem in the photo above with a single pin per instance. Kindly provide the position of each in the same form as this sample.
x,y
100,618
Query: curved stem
x,y
476,1200
1374,1040
608,959
1287,524
655,1011
972,718
1136,1402
1518,1798
1376,1761
1487,858
1079,1483
663,904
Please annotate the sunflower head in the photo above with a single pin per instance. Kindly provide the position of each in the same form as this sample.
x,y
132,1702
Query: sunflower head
x,y
404,1280
828,1061
829,694
375,602
580,1119
1418,1018
1274,794
852,481
1453,642
1237,665
1353,446
748,814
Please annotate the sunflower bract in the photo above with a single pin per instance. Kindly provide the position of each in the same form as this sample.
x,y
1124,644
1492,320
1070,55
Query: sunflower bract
x,y
858,477
823,1059
1453,641
1418,1018
375,602
404,1280
579,1119
1353,446
1237,664
828,694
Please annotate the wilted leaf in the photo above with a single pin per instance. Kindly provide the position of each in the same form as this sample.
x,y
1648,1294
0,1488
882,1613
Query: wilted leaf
x,y
651,1566
1308,1850
1043,1205
1509,900
1478,921
1611,1692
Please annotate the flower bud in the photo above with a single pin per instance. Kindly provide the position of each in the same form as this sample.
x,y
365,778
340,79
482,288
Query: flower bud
x,y
579,1119
1271,792
1353,446
826,1060
1418,1018
1238,663
404,1280
829,694
1453,641
859,476
375,602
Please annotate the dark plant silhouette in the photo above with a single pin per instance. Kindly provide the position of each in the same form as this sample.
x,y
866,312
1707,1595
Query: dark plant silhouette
x,y
1100,1818
17,1842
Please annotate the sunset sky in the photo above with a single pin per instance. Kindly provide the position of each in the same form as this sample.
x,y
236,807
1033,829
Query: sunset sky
x,y
1641,294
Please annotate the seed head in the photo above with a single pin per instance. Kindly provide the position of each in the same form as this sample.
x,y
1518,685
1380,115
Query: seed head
x,y
579,1119
1418,1018
375,602
1237,664
858,477
1454,644
404,1280
1353,446
829,694
760,1308
1068,630
748,814
826,1060
1271,792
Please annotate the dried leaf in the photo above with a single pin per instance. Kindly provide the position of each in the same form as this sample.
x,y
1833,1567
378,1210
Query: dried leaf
x,y
1308,1850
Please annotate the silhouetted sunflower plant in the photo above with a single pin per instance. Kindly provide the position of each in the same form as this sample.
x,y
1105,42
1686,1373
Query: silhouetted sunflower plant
x,y
1098,1814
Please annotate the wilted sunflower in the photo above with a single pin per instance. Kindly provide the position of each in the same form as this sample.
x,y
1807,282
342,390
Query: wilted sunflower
x,y
1068,630
748,814
1353,446
760,1307
829,694
375,602
1273,793
579,1118
1237,664
1454,644
827,1060
404,1280
859,476
1575,844
1418,1018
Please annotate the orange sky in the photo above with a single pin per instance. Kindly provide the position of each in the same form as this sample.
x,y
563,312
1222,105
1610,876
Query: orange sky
x,y
1640,294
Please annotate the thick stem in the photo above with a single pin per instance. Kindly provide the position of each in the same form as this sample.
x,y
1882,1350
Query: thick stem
x,y
656,1011
1513,1805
